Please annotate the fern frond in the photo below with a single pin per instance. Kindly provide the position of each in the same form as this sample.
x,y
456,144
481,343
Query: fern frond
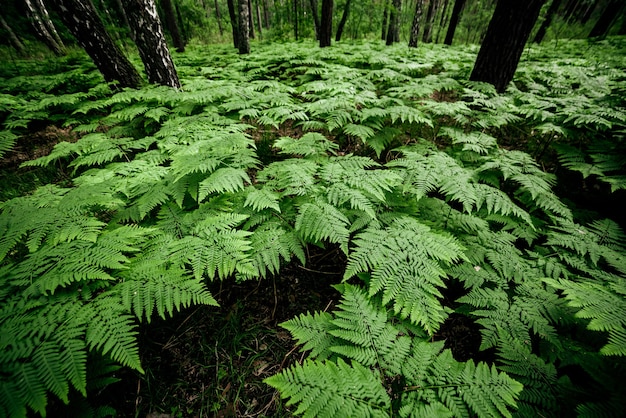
x,y
319,221
311,144
327,389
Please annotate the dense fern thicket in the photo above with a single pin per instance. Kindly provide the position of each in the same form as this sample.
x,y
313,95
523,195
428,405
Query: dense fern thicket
x,y
416,174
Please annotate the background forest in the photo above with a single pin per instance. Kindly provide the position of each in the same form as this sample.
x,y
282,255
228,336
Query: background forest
x,y
322,209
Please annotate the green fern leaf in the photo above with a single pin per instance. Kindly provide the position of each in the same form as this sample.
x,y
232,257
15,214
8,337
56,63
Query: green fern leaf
x,y
319,221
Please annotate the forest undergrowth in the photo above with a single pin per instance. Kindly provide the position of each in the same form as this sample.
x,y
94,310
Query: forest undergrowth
x,y
432,247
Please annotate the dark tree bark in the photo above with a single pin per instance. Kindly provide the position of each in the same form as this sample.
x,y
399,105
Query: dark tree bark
x,y
415,26
454,21
120,6
608,17
81,19
442,20
393,32
13,38
541,32
250,20
342,22
234,21
383,34
150,41
244,27
427,36
504,42
40,20
172,25
267,14
326,23
218,16
316,18
295,18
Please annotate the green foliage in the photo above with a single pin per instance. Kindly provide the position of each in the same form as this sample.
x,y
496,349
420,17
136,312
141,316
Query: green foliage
x,y
410,174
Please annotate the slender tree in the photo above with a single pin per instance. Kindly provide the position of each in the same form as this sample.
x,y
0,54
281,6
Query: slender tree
x,y
40,20
258,18
295,18
393,33
383,34
442,20
427,35
613,9
234,21
541,32
120,6
172,25
326,23
316,17
250,20
13,38
508,31
454,21
218,17
244,27
342,22
415,26
150,41
82,20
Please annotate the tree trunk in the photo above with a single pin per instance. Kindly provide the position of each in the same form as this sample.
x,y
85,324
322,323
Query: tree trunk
x,y
393,33
38,21
454,21
218,16
266,14
415,26
45,17
181,24
15,41
120,6
326,23
504,42
316,18
81,19
385,29
258,19
342,22
234,21
554,6
295,19
244,27
608,17
172,25
250,20
157,61
427,36
442,21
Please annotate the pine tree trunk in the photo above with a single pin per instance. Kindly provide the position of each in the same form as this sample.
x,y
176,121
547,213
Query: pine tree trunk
x,y
172,25
608,17
316,17
504,42
326,23
234,21
82,20
150,41
218,17
244,27
41,28
454,21
541,32
393,33
13,38
342,22
415,26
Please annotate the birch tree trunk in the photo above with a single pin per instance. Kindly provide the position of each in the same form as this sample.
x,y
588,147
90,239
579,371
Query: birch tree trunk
x,y
82,20
415,26
244,27
13,38
150,41
38,21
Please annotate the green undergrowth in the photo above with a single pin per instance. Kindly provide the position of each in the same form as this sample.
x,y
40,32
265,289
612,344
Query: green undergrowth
x,y
418,176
